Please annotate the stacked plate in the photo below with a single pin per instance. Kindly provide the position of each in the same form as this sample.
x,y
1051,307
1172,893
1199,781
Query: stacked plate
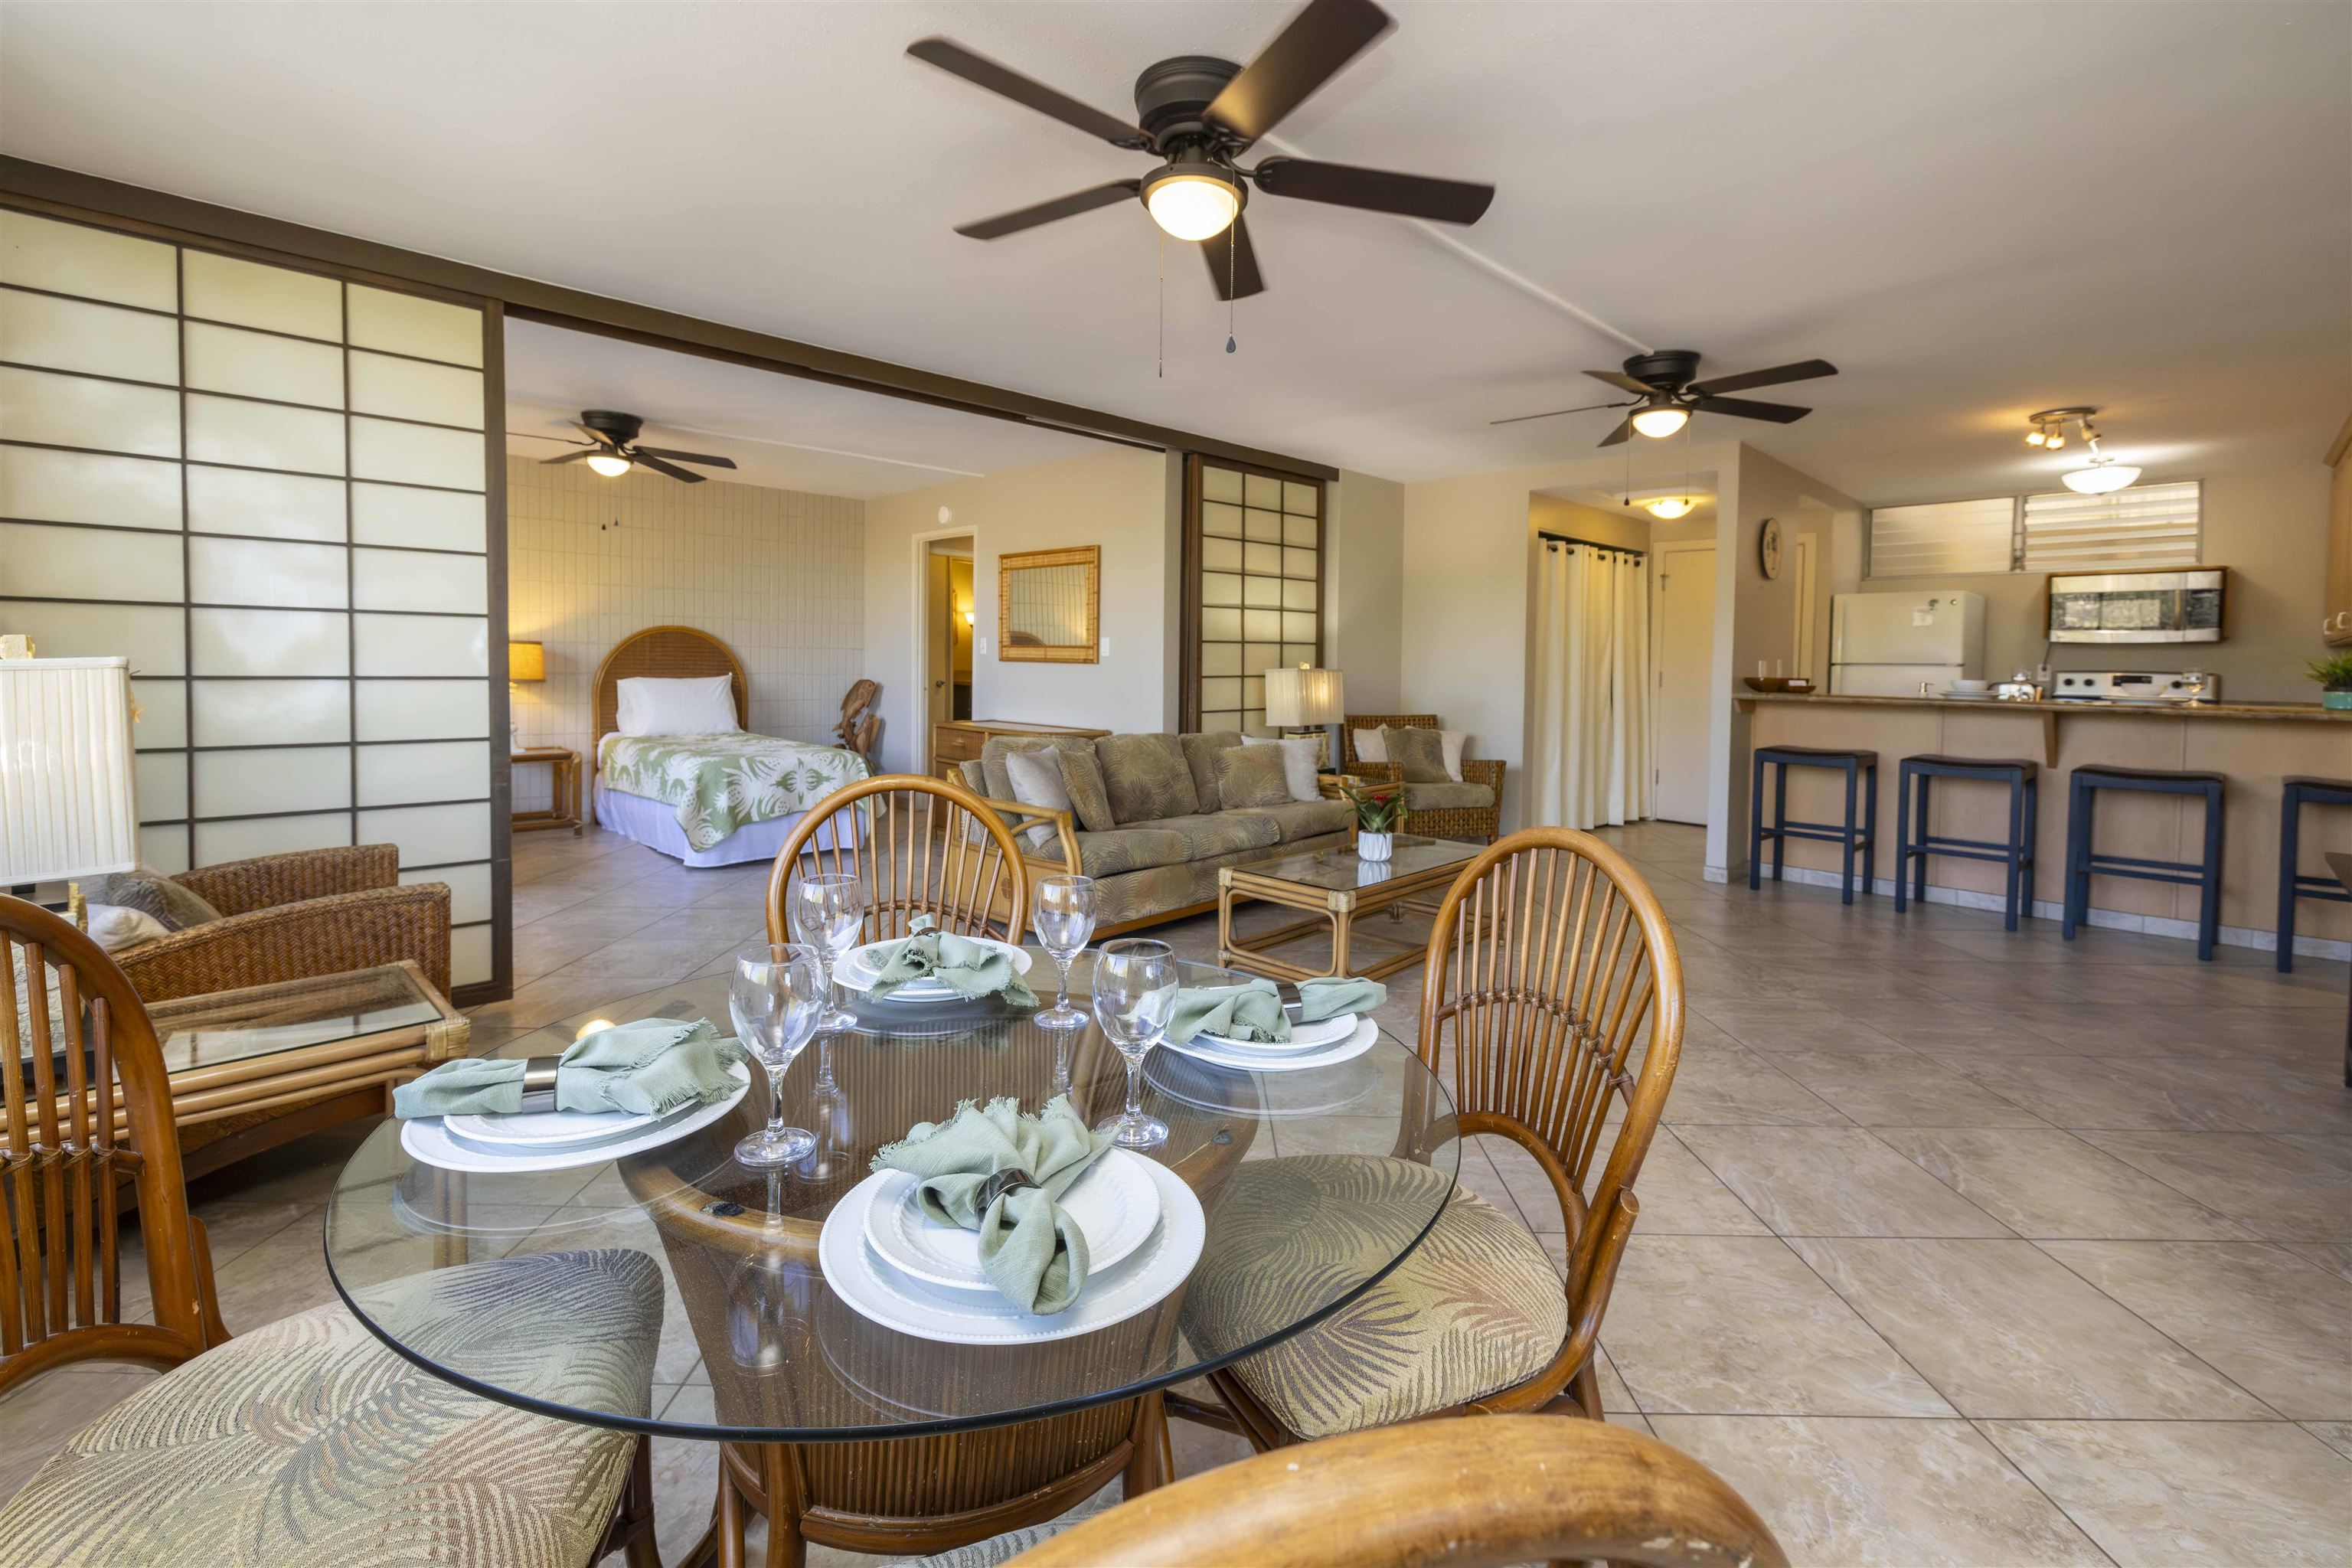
x,y
524,1140
895,1266
1320,1045
860,970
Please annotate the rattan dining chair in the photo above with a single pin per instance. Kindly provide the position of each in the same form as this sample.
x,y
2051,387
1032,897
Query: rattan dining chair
x,y
921,846
1552,999
305,1444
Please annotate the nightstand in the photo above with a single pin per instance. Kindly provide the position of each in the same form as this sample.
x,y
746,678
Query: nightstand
x,y
563,790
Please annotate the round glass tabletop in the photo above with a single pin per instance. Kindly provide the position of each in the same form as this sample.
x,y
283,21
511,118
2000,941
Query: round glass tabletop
x,y
727,1257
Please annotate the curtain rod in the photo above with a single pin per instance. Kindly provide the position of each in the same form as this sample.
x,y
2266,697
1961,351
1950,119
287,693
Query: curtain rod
x,y
1590,543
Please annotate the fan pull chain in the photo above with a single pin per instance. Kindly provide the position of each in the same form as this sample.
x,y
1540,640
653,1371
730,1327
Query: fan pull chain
x,y
1163,305
1233,250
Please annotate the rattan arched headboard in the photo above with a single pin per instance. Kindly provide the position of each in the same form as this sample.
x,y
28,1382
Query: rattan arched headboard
x,y
669,653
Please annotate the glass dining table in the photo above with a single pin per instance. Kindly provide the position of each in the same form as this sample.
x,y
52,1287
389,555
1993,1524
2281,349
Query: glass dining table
x,y
746,1306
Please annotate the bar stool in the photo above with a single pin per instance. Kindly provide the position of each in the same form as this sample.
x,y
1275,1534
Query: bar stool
x,y
2292,885
1854,835
2083,862
1913,839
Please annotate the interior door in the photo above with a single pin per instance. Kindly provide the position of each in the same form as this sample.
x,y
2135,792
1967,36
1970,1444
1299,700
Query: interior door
x,y
1685,658
938,641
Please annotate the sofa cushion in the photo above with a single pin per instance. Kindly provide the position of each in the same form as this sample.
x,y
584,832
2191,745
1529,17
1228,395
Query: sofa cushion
x,y
1128,849
1222,832
1037,781
173,907
1447,797
992,751
1250,776
1305,818
1420,753
1200,753
1082,776
1147,778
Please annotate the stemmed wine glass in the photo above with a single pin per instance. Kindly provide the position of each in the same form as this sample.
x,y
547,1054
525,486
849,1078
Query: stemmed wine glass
x,y
1135,993
1064,920
828,913
777,994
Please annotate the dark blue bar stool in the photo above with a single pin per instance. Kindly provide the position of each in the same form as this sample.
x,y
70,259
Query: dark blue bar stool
x,y
1912,839
1854,833
2083,862
2292,885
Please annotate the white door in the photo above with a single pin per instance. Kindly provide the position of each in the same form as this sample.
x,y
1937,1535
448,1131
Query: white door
x,y
1685,655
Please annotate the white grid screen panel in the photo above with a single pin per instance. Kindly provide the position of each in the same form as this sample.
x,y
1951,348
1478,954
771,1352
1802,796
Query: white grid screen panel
x,y
191,447
1260,573
2147,525
1943,538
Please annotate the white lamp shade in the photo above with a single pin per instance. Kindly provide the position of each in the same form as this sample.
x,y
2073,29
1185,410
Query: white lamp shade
x,y
1296,698
68,806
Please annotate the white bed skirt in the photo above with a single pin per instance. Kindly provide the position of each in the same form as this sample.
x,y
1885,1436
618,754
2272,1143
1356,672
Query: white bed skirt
x,y
654,823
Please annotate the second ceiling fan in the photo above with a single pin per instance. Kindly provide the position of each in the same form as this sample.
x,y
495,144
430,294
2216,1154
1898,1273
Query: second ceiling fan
x,y
612,450
1199,115
1666,394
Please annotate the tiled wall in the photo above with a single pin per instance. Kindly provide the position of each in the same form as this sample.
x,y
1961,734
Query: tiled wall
x,y
777,575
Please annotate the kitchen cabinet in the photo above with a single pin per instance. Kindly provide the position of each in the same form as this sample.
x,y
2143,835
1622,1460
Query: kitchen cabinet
x,y
2336,622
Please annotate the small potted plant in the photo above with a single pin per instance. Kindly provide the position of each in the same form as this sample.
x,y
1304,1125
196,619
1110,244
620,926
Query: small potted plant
x,y
2335,676
1379,816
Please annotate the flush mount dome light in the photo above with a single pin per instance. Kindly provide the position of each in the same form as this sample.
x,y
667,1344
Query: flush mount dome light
x,y
1192,200
1670,507
2103,477
611,464
1661,420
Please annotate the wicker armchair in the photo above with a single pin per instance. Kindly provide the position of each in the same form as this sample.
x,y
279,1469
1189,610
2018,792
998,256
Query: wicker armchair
x,y
295,917
1462,822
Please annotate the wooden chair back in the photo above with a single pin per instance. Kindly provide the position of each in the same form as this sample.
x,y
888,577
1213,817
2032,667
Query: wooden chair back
x,y
88,1103
669,653
1355,721
1470,1494
921,846
1553,993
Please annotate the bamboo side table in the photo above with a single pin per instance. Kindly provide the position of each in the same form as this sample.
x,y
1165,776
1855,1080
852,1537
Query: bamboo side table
x,y
1337,887
563,787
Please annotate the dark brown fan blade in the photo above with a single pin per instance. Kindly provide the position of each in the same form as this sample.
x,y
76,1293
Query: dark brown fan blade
x,y
1077,202
1803,369
1005,82
570,456
1617,437
639,456
1305,55
1747,408
1523,418
703,457
1234,261
1375,190
1622,381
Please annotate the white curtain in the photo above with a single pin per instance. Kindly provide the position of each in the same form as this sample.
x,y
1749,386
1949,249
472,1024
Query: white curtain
x,y
1589,764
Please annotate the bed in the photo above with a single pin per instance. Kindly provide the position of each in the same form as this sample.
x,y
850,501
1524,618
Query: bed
x,y
706,799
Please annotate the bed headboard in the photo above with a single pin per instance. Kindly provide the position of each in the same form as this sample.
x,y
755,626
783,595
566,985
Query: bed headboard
x,y
669,653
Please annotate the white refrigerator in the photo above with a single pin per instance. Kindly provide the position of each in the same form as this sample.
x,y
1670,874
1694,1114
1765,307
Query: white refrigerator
x,y
1885,644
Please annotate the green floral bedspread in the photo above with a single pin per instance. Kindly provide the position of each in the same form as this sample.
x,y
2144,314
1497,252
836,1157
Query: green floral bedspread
x,y
718,783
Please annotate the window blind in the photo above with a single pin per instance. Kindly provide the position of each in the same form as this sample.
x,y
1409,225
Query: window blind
x,y
2147,525
1943,537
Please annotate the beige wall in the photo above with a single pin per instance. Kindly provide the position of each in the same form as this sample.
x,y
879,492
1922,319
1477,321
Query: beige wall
x,y
1551,514
1364,576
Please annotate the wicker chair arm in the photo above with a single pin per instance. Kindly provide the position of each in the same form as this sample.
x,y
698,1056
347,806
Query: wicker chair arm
x,y
298,942
239,887
1487,771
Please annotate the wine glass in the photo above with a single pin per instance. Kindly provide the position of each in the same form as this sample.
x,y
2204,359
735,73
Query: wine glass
x,y
777,994
828,913
1135,992
1064,919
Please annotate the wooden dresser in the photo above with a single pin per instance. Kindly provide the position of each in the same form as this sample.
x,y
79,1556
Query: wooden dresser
x,y
958,740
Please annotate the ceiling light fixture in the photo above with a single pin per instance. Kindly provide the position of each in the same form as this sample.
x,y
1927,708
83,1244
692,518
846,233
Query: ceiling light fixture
x,y
1671,507
1193,201
2105,476
612,465
2049,431
1661,420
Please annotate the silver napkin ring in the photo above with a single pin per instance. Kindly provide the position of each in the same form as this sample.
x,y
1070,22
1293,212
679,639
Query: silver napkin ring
x,y
1007,1181
538,1082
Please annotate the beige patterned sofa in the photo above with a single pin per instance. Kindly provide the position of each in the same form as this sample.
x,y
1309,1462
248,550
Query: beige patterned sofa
x,y
1159,857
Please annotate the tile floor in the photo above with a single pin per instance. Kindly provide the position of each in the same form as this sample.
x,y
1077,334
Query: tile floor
x,y
1959,1247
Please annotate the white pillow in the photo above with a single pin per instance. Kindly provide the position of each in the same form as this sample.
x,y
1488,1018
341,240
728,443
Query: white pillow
x,y
1453,740
115,928
704,705
1300,754
1369,747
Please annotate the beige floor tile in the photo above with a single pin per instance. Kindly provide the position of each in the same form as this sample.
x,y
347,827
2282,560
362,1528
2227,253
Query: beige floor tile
x,y
2003,1330
2337,1434
1738,1325
2041,1182
1679,1196
1834,1180
2183,1494
2122,1093
2286,1191
2264,1096
2334,1257
1796,1026
280,1276
2275,1324
1881,1493
1901,1088
1743,1088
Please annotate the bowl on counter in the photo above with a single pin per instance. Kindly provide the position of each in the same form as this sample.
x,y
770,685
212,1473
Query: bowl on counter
x,y
1766,683
1971,687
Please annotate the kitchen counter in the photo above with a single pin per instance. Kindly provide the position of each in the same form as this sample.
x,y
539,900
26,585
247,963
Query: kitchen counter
x,y
2294,710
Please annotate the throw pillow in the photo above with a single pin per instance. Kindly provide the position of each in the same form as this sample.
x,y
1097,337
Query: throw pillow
x,y
1420,752
1037,781
993,753
1082,776
1302,763
1369,746
115,928
697,705
1200,753
1455,740
1147,778
150,893
56,998
1252,776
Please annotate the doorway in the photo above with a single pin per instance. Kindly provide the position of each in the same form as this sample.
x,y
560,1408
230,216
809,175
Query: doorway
x,y
1683,585
949,615
1808,568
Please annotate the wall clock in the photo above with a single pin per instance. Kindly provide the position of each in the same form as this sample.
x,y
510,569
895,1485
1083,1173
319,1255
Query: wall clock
x,y
1768,548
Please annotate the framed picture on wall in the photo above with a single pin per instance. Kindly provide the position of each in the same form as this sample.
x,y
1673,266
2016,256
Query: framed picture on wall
x,y
1049,605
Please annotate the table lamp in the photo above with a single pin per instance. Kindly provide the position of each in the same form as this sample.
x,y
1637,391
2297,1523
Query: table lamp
x,y
525,661
1306,699
68,798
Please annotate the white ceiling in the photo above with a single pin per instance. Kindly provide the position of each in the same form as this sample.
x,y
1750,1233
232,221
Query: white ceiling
x,y
1976,209
782,431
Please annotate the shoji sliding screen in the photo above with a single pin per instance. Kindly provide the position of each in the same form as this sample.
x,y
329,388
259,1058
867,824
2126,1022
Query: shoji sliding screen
x,y
268,488
1253,589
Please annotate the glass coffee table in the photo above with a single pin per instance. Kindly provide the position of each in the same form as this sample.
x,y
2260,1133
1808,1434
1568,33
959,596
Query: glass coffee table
x,y
1337,885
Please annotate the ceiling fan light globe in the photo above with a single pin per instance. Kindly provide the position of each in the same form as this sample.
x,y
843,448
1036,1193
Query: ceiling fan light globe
x,y
1670,507
1660,422
2101,478
1190,204
610,465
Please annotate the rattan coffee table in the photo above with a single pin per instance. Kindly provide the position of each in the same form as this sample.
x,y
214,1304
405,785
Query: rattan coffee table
x,y
1338,885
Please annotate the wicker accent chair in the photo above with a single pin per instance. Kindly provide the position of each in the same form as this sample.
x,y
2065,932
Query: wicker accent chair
x,y
1434,820
305,1444
1553,995
296,916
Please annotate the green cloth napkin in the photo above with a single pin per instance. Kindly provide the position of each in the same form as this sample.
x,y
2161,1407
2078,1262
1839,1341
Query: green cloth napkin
x,y
1334,994
1029,1248
646,1068
971,969
1254,1011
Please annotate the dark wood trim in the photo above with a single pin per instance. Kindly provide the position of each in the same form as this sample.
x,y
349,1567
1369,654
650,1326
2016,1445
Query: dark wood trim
x,y
72,194
500,985
1187,662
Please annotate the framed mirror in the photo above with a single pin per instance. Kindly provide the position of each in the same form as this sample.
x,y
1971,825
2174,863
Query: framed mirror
x,y
1048,606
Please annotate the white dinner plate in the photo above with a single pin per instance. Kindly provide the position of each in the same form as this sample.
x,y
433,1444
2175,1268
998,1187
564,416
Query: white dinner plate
x,y
426,1139
861,967
546,1129
875,1290
1318,1037
1113,1204
1354,1046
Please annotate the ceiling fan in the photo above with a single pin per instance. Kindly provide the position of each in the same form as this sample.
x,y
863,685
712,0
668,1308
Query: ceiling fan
x,y
1666,395
612,448
1199,114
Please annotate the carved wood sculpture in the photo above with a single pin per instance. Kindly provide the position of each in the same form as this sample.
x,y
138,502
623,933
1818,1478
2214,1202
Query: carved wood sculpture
x,y
861,722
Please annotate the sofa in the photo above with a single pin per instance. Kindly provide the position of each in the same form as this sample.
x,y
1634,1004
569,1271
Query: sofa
x,y
1170,835
1467,810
